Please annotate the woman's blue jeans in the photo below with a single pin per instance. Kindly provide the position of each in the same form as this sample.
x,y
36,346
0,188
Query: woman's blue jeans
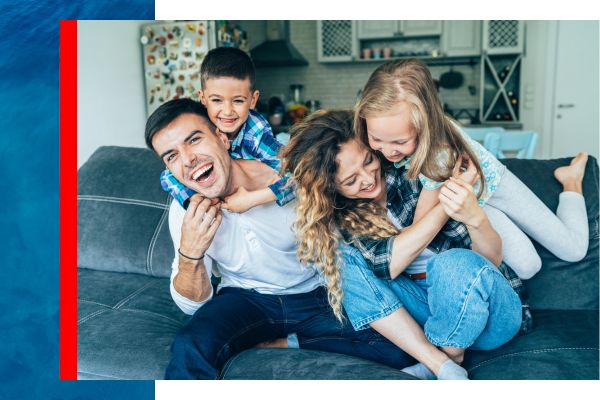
x,y
464,301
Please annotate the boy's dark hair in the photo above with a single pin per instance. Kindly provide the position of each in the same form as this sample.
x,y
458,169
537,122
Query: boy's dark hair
x,y
168,112
228,62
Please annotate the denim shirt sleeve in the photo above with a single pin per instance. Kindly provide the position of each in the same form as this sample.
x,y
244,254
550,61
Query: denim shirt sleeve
x,y
377,253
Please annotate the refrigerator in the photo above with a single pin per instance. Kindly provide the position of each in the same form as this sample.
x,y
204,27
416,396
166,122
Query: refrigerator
x,y
173,53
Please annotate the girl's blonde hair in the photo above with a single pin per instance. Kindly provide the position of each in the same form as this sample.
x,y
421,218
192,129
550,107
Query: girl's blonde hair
x,y
310,156
410,81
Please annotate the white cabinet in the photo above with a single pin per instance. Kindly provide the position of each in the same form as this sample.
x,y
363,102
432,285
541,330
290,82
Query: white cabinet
x,y
395,29
503,36
377,29
420,28
461,38
336,40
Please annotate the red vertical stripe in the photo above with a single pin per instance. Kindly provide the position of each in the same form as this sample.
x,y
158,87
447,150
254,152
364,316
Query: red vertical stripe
x,y
68,199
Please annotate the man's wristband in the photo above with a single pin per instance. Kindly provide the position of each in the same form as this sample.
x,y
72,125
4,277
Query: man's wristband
x,y
188,257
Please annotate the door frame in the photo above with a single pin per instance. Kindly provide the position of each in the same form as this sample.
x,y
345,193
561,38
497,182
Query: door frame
x,y
550,83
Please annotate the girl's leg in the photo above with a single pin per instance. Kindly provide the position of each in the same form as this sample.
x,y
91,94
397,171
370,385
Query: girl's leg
x,y
565,234
469,302
517,249
369,300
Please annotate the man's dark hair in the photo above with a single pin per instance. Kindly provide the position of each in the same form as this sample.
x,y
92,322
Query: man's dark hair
x,y
227,62
168,112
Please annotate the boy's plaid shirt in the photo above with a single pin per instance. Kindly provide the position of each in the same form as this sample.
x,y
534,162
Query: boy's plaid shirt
x,y
402,197
255,141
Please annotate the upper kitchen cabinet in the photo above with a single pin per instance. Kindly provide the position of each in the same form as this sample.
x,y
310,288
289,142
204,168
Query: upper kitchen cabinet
x,y
503,36
396,29
378,29
420,28
461,38
337,40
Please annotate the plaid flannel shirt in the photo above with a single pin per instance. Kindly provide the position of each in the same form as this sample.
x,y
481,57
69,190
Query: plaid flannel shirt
x,y
402,197
255,141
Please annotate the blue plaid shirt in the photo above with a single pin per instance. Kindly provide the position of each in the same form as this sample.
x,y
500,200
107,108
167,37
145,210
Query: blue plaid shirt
x,y
255,141
402,197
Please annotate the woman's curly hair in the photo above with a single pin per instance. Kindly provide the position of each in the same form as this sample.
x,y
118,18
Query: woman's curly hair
x,y
322,214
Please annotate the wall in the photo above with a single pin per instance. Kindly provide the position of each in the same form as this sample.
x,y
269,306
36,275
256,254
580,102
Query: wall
x,y
336,85
536,83
111,104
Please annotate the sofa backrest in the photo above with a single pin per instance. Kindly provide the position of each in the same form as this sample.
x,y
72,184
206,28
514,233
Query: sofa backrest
x,y
559,284
123,213
123,223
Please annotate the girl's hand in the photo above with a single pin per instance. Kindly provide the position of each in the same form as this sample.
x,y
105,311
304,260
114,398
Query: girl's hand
x,y
459,201
469,175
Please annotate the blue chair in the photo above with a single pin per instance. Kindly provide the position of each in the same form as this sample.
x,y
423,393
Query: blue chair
x,y
514,144
488,136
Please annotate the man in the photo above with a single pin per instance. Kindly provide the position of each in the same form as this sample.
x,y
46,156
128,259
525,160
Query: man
x,y
265,293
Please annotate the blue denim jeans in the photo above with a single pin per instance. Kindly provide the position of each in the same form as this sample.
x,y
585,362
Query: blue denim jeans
x,y
238,319
464,301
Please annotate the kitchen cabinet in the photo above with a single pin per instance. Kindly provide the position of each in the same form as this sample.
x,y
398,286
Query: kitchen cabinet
x,y
503,36
420,28
461,38
337,40
377,29
397,29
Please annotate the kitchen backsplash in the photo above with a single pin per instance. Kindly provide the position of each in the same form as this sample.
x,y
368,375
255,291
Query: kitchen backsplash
x,y
336,85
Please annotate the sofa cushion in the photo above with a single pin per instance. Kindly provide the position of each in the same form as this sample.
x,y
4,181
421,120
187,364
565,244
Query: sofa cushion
x,y
563,345
123,213
560,284
304,364
126,323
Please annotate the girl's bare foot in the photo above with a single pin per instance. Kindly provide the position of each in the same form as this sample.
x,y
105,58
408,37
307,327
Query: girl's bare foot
x,y
571,175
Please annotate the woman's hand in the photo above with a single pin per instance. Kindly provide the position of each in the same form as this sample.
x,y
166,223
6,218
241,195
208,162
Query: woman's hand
x,y
460,203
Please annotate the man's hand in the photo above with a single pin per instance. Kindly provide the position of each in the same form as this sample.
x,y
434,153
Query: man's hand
x,y
200,224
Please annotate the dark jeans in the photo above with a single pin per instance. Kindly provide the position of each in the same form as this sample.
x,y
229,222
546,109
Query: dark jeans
x,y
237,319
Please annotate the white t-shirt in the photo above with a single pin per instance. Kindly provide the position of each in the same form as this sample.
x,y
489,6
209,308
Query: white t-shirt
x,y
254,250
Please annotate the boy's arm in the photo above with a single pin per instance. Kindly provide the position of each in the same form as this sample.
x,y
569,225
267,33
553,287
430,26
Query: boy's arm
x,y
243,200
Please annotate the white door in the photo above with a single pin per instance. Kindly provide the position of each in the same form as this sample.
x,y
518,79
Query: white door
x,y
575,108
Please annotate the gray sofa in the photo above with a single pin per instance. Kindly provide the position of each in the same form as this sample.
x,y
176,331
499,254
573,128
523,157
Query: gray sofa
x,y
127,319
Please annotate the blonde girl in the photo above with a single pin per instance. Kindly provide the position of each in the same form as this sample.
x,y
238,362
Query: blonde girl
x,y
400,116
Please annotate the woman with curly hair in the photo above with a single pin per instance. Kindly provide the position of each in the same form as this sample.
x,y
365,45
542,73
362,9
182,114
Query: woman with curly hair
x,y
344,196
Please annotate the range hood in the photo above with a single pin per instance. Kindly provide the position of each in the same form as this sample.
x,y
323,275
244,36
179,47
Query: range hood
x,y
277,50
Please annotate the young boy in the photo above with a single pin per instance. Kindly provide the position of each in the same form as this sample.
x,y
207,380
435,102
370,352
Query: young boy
x,y
227,77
